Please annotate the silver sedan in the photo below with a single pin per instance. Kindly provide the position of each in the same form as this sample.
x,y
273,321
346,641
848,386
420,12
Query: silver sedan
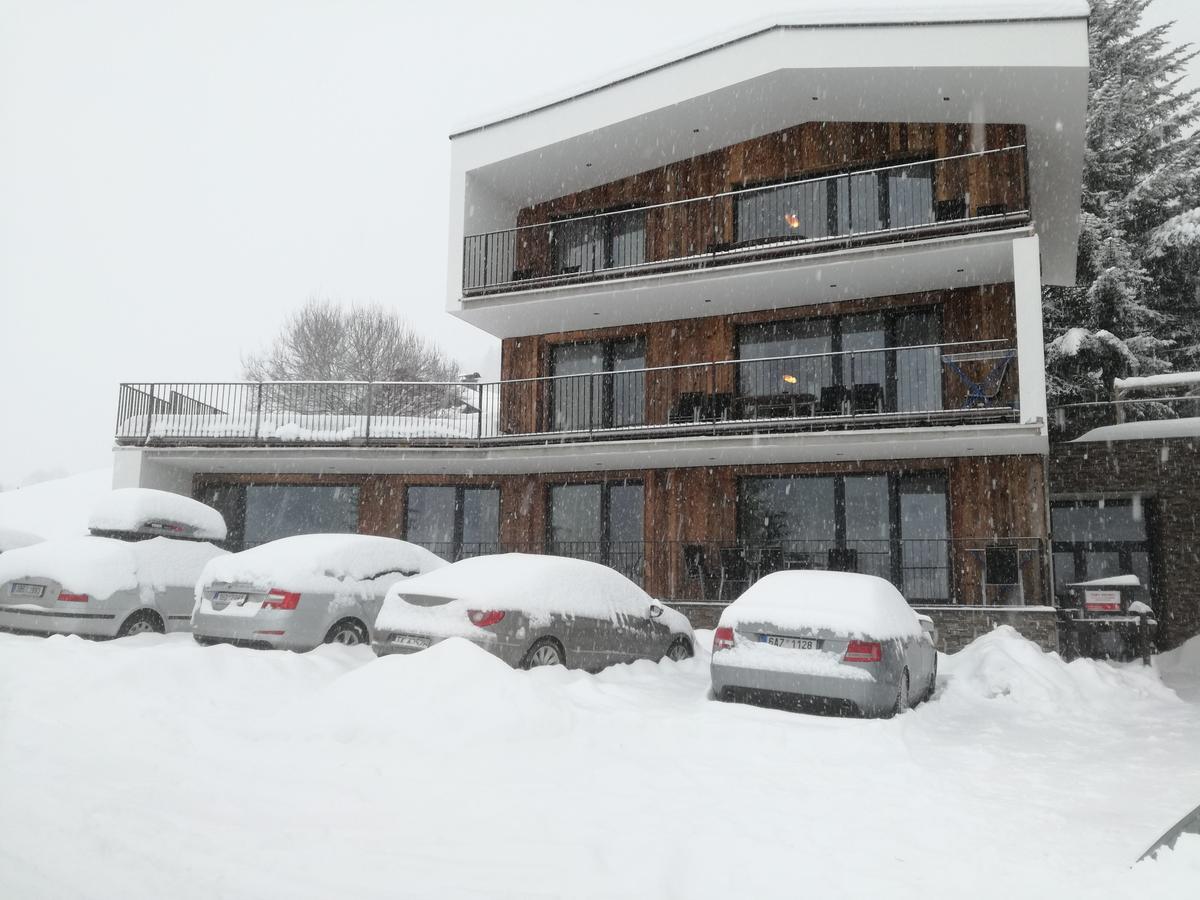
x,y
299,592
533,611
828,641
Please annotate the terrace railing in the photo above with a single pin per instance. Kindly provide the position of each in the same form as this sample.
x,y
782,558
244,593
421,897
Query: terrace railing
x,y
923,384
969,191
985,571
1072,420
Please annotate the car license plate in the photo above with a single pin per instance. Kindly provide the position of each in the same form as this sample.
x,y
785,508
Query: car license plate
x,y
410,640
225,597
19,589
792,643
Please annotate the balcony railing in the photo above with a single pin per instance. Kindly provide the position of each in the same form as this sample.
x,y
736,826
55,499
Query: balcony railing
x,y
987,571
925,384
971,191
1072,420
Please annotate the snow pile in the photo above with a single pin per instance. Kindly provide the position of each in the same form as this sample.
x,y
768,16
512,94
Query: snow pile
x,y
1151,429
326,427
57,508
11,539
320,562
1110,581
1152,382
534,584
844,603
1004,667
1180,669
132,509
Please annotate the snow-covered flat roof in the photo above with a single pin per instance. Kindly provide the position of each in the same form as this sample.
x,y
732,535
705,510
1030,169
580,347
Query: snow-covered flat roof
x,y
1150,382
1158,429
832,15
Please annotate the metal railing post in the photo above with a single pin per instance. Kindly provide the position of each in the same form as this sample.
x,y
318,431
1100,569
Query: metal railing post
x,y
258,413
367,433
149,413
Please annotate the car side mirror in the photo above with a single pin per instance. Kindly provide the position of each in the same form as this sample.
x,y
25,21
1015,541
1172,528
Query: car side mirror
x,y
655,610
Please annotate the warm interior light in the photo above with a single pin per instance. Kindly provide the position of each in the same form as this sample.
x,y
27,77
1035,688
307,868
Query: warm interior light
x,y
790,379
793,220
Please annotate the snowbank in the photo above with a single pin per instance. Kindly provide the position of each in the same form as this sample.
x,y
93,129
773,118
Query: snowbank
x,y
1004,667
845,603
537,585
11,539
1180,669
131,509
57,508
320,562
1110,581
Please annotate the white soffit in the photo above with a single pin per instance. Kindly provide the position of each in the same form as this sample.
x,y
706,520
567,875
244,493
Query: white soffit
x,y
1022,72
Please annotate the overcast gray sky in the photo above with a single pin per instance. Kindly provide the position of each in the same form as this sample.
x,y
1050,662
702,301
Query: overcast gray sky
x,y
176,177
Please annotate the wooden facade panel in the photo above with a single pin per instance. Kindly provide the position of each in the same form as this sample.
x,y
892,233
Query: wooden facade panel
x,y
812,149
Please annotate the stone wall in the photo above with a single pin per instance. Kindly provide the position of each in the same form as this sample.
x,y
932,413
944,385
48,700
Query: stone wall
x,y
959,625
1166,474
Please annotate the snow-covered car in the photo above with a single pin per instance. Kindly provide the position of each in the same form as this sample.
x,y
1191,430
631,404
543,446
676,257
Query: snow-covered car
x,y
136,571
832,640
299,592
11,539
533,611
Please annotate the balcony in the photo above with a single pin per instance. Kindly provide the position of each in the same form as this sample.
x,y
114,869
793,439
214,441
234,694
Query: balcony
x,y
892,204
933,384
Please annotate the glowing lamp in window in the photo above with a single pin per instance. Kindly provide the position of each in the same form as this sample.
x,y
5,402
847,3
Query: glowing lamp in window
x,y
790,379
793,221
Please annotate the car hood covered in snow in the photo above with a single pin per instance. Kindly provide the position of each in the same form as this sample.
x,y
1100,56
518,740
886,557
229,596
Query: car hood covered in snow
x,y
140,509
320,562
536,585
100,566
843,603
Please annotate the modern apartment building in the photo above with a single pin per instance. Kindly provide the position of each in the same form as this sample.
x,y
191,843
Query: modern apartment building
x,y
775,303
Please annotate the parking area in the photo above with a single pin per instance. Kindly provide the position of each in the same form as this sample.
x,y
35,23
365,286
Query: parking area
x,y
152,767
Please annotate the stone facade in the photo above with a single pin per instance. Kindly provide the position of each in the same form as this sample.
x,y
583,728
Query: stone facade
x,y
1166,475
959,625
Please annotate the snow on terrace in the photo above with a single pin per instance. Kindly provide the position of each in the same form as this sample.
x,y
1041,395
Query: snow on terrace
x,y
151,767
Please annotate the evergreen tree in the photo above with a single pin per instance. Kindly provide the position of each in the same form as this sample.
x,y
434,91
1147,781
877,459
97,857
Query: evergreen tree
x,y
1135,308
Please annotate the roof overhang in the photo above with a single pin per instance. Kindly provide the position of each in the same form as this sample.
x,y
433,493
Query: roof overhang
x,y
1032,72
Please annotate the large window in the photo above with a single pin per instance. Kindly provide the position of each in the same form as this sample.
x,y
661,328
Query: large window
x,y
845,364
598,384
855,203
258,513
453,521
893,526
1099,539
604,241
600,522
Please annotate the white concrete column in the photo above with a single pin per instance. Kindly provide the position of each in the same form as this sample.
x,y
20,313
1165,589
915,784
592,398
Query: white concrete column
x,y
133,468
1031,354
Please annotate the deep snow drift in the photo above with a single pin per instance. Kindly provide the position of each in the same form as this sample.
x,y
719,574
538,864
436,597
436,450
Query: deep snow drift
x,y
57,508
150,767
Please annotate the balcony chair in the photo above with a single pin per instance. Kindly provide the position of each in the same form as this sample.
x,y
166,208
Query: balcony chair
x,y
735,569
692,406
833,401
695,565
866,398
843,559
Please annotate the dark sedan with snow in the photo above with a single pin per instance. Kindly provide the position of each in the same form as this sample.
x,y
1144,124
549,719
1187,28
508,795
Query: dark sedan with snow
x,y
831,640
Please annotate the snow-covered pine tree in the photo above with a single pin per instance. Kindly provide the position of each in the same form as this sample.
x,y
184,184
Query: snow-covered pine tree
x,y
1135,308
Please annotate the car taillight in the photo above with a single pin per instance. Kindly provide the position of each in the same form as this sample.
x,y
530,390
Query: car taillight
x,y
277,599
485,617
73,598
722,639
863,651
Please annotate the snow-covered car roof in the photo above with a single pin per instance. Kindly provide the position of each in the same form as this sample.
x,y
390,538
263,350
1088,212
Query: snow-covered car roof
x,y
147,511
535,584
101,566
11,539
842,602
315,562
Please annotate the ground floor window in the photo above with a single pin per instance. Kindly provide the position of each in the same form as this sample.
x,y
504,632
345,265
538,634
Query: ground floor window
x,y
600,522
258,513
453,521
890,525
1098,539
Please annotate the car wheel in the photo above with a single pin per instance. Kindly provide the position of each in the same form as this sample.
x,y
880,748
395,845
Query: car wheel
x,y
348,632
901,694
544,652
680,650
144,622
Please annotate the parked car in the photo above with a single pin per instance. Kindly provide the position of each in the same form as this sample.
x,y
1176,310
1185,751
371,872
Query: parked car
x,y
299,592
11,539
533,611
135,572
836,641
